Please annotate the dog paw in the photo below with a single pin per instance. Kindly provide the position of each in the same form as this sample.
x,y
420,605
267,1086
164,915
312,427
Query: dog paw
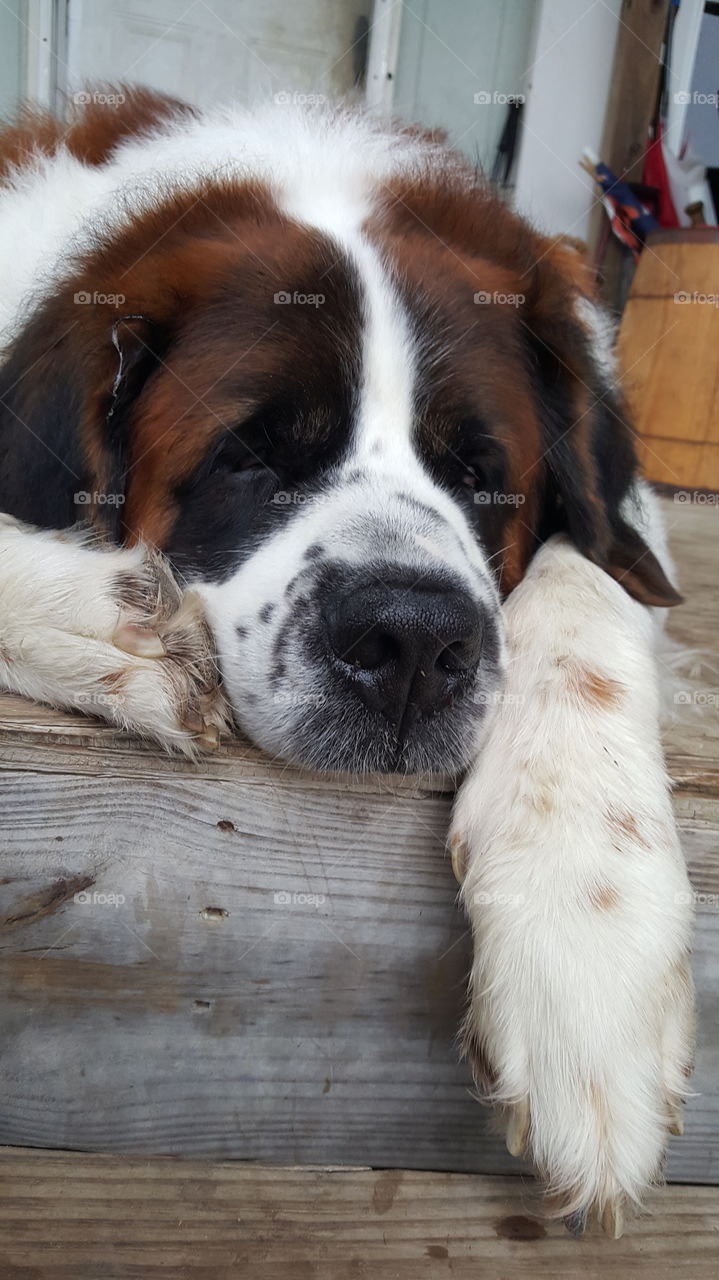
x,y
167,681
108,631
580,1018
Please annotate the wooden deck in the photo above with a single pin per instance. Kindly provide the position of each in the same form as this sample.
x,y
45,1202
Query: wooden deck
x,y
239,960
70,1217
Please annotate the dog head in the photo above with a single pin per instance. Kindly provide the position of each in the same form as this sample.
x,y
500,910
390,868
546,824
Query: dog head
x,y
349,436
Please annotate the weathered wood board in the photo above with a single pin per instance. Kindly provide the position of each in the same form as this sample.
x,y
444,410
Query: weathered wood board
x,y
76,1217
669,348
186,1006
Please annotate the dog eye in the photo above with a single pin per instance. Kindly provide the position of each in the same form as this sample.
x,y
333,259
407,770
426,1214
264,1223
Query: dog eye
x,y
236,456
251,463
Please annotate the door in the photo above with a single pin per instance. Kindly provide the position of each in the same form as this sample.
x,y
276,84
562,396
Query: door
x,y
220,51
460,64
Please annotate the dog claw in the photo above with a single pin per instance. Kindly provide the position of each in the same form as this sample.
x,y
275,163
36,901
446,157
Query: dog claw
x,y
676,1120
576,1223
458,853
138,641
613,1219
518,1129
193,723
209,738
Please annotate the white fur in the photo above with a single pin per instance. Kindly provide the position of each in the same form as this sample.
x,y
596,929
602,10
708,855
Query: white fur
x,y
65,607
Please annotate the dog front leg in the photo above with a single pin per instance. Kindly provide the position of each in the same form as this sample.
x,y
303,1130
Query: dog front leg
x,y
580,1019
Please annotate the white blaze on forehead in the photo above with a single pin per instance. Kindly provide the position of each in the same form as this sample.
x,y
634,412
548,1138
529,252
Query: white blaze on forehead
x,y
386,399
385,409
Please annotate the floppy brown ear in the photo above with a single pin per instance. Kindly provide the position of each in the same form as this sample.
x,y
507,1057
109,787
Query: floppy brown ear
x,y
65,393
589,461
637,569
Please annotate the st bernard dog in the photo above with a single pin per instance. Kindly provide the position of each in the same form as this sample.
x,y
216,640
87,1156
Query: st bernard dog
x,y
294,393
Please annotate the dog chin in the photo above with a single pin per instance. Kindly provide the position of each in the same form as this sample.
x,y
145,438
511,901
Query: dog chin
x,y
328,735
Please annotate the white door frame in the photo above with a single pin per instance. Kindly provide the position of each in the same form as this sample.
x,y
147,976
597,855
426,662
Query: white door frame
x,y
383,53
40,63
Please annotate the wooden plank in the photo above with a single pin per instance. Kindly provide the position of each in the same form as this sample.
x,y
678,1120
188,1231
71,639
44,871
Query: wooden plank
x,y
188,1011
221,1021
71,1217
669,351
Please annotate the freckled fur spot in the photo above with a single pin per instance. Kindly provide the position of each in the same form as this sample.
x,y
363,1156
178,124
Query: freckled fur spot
x,y
625,824
116,682
543,799
591,686
599,1103
603,896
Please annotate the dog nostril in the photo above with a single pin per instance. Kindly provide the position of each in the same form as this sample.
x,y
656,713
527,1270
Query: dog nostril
x,y
453,658
371,651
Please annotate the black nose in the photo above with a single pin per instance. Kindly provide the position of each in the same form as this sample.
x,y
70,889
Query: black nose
x,y
408,649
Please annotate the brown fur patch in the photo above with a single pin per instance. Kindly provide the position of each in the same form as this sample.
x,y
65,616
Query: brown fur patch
x,y
115,683
92,131
591,686
623,823
603,896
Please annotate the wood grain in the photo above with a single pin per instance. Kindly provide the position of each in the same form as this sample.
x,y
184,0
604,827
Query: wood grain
x,y
187,1010
669,351
71,1217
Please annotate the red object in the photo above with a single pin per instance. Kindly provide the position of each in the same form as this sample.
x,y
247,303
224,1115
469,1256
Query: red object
x,y
655,175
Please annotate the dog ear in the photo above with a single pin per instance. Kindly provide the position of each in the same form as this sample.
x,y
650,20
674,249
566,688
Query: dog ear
x,y
66,392
588,461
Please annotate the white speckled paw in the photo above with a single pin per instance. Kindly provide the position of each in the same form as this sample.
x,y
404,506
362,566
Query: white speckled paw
x,y
580,1020
109,632
580,1017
